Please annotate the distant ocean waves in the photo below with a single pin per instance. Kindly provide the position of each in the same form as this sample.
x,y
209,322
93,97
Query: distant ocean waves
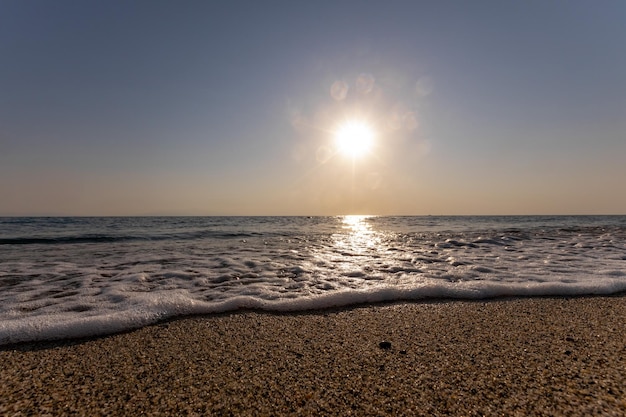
x,y
97,238
75,277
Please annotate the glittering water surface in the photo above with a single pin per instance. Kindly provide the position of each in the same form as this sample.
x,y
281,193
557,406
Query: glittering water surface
x,y
68,277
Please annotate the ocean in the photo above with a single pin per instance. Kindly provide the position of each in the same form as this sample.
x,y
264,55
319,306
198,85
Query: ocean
x,y
87,276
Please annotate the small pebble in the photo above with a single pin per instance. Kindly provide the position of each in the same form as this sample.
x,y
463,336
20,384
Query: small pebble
x,y
384,345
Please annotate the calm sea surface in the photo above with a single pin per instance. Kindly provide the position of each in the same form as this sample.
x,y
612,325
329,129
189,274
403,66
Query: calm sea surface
x,y
71,277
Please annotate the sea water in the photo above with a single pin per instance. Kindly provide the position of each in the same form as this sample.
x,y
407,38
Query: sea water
x,y
74,277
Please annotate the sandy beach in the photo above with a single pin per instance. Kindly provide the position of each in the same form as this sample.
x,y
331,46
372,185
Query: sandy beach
x,y
544,356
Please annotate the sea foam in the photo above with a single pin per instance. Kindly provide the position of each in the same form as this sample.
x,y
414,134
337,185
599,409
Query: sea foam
x,y
78,288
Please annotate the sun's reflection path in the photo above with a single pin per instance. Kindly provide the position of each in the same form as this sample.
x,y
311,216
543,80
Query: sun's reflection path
x,y
357,236
356,256
356,250
353,256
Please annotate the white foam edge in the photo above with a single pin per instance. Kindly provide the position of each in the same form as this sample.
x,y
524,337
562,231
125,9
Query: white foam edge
x,y
159,307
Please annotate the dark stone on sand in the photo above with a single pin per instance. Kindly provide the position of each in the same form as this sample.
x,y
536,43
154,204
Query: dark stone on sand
x,y
569,339
403,352
384,345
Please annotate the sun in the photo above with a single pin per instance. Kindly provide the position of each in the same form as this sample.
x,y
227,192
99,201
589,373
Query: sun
x,y
354,138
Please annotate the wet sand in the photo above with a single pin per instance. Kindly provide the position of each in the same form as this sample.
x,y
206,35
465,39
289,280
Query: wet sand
x,y
546,356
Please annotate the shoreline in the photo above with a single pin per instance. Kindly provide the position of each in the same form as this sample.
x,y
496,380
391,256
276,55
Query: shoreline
x,y
513,356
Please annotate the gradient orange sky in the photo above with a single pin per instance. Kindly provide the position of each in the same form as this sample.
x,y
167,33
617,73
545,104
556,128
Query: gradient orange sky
x,y
206,108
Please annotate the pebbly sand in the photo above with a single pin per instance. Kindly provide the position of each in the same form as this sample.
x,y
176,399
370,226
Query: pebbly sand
x,y
546,356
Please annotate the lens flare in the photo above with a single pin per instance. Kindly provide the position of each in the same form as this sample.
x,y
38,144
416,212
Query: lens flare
x,y
365,83
339,90
424,86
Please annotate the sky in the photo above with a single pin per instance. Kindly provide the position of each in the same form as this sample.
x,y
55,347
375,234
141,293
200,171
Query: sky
x,y
232,108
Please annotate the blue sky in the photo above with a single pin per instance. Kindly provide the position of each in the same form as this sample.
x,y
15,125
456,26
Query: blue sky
x,y
203,108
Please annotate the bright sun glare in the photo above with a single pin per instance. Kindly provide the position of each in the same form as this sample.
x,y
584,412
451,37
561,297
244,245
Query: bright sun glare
x,y
354,138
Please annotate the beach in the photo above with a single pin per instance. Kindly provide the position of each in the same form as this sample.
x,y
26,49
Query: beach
x,y
518,356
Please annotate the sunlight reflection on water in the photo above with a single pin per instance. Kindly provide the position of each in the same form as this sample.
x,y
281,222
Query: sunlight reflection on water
x,y
359,236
